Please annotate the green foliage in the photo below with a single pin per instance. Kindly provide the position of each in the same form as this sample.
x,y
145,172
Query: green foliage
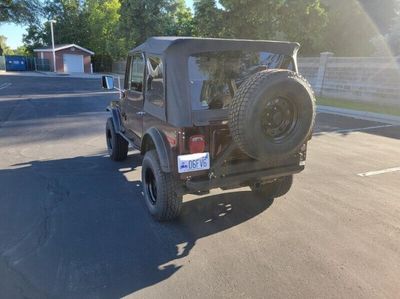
x,y
8,51
3,44
141,19
296,20
360,106
102,25
72,21
381,12
251,19
92,24
350,30
208,19
111,27
21,50
303,21
19,11
180,20
37,35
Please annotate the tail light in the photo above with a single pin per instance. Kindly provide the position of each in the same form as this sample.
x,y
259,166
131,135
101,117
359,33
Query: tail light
x,y
197,144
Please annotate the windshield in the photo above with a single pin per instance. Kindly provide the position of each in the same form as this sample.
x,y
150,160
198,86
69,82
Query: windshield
x,y
215,76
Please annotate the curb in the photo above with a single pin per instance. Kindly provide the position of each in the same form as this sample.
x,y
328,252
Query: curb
x,y
52,74
371,116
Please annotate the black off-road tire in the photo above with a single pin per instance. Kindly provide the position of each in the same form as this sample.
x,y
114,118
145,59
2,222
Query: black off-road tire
x,y
117,146
248,122
275,189
160,189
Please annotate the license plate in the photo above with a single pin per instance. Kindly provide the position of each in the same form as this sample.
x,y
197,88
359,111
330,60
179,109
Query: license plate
x,y
194,162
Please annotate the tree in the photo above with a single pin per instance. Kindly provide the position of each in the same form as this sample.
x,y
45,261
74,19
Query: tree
x,y
19,11
141,19
92,24
181,20
37,36
71,26
381,12
208,19
303,21
278,19
349,31
21,50
72,21
102,22
3,45
359,27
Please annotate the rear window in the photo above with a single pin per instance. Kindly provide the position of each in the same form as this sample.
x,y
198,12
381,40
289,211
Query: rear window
x,y
215,76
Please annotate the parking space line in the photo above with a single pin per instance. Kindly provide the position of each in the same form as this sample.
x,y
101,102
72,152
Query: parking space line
x,y
353,130
5,85
377,172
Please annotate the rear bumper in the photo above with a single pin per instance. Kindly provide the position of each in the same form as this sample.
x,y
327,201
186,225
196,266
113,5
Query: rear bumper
x,y
243,178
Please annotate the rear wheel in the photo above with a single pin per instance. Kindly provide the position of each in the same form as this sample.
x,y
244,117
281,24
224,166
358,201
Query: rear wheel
x,y
159,188
117,146
274,189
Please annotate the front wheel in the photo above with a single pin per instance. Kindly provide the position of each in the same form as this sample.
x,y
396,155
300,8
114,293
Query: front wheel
x,y
159,188
117,146
274,189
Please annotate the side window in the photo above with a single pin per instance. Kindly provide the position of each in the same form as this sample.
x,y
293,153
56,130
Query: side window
x,y
136,73
155,81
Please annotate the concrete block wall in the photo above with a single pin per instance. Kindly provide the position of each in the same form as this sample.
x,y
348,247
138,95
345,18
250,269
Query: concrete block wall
x,y
364,79
370,79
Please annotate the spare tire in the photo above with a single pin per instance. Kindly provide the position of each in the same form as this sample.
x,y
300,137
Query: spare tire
x,y
272,114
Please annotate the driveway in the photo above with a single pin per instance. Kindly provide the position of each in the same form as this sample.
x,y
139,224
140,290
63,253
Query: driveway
x,y
73,224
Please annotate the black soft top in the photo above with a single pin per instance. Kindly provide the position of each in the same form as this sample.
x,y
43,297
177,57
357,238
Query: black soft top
x,y
175,52
161,44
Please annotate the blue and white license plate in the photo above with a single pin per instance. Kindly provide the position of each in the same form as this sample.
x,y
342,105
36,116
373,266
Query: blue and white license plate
x,y
193,162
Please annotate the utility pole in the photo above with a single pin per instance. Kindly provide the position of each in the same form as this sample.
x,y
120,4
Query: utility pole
x,y
52,41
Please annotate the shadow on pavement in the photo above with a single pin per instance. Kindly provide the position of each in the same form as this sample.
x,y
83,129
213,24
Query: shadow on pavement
x,y
36,109
22,85
47,120
78,228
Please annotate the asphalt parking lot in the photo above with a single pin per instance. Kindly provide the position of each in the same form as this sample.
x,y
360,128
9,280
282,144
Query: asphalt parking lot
x,y
73,223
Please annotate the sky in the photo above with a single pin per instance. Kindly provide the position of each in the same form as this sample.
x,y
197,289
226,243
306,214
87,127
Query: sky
x,y
14,32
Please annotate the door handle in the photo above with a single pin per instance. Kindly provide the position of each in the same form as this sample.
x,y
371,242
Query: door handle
x,y
141,113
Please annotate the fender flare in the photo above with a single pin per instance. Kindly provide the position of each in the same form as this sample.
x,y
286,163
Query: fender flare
x,y
116,118
154,138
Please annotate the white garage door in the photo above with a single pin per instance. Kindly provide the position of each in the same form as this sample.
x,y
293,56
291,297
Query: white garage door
x,y
73,63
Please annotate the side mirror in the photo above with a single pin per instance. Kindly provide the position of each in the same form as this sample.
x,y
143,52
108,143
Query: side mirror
x,y
108,82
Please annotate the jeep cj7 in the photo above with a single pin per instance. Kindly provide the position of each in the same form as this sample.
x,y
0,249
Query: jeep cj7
x,y
211,113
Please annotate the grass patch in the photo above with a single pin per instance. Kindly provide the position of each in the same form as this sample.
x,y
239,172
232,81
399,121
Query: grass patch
x,y
349,104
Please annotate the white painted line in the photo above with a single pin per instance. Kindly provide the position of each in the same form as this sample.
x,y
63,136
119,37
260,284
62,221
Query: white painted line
x,y
59,95
353,130
5,85
371,173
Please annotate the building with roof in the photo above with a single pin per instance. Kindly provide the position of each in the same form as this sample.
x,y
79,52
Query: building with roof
x,y
70,58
